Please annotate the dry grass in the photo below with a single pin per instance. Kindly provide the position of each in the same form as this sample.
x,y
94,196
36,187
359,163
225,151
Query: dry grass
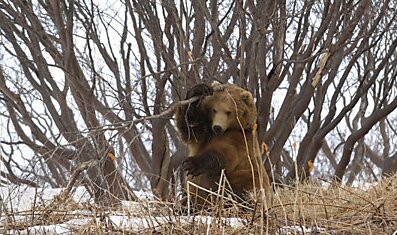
x,y
339,210
304,209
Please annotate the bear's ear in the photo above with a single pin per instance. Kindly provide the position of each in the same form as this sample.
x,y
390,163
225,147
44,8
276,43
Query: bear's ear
x,y
246,97
215,83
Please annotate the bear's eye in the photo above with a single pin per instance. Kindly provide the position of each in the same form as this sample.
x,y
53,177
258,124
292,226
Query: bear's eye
x,y
214,110
228,113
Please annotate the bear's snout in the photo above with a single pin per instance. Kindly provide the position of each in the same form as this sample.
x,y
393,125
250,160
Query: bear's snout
x,y
217,129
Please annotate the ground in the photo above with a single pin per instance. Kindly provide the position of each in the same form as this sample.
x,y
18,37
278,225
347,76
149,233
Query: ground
x,y
320,207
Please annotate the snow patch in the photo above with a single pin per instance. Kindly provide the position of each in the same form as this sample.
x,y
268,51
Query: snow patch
x,y
286,230
26,198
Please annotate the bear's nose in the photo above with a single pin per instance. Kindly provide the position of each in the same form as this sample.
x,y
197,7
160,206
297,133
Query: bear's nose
x,y
217,129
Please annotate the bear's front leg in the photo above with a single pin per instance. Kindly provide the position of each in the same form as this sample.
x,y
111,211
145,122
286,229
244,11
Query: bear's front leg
x,y
193,111
192,120
207,163
199,90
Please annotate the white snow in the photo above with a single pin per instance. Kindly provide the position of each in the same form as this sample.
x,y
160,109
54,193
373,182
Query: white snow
x,y
26,198
286,230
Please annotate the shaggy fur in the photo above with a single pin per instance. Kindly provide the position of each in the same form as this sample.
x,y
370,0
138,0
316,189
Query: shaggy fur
x,y
219,132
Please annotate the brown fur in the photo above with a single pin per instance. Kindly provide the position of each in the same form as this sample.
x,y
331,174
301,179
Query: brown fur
x,y
218,130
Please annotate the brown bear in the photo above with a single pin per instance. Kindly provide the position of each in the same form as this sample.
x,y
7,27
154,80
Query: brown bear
x,y
220,132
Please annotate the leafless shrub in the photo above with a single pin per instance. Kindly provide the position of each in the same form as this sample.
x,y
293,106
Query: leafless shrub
x,y
84,82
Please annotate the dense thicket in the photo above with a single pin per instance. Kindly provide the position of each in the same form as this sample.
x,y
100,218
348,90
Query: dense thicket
x,y
84,86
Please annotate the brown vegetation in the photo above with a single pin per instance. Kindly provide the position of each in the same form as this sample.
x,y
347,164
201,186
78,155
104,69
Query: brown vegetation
x,y
304,209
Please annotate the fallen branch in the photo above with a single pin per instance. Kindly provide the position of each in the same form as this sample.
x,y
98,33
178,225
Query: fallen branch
x,y
169,112
73,178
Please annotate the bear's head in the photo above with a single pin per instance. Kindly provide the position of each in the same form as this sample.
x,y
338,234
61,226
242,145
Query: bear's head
x,y
231,108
